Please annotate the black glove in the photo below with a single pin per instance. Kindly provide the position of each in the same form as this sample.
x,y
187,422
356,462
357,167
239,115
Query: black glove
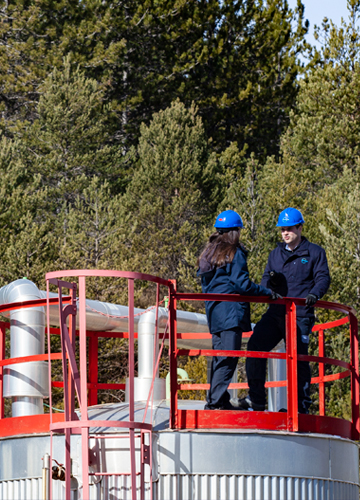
x,y
275,296
310,300
274,278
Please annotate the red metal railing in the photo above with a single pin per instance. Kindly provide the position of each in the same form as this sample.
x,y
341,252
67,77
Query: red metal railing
x,y
77,380
93,386
290,421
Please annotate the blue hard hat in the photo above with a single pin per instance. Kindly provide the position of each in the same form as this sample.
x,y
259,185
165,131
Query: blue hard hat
x,y
228,220
290,217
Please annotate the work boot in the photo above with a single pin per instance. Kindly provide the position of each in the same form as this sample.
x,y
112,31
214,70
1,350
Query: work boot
x,y
247,404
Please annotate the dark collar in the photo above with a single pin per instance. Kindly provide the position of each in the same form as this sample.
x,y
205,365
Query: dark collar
x,y
301,249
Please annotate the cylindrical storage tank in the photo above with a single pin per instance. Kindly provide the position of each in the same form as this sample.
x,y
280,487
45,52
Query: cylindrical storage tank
x,y
256,466
190,464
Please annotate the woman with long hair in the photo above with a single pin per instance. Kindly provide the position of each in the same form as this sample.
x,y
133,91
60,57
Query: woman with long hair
x,y
223,269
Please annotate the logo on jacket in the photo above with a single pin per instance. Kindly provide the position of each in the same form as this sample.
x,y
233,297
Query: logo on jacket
x,y
304,261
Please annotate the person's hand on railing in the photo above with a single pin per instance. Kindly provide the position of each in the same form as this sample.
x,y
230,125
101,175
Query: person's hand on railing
x,y
311,299
275,296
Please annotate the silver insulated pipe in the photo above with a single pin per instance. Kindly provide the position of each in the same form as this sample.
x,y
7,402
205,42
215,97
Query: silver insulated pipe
x,y
25,383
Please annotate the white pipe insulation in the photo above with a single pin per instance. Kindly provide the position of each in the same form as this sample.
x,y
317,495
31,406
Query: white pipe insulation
x,y
27,383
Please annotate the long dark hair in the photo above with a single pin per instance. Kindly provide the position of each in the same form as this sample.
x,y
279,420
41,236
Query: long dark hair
x,y
221,247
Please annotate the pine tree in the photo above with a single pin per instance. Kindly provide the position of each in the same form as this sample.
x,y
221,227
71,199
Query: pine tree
x,y
90,237
173,193
249,83
340,227
28,245
237,60
34,38
70,140
323,136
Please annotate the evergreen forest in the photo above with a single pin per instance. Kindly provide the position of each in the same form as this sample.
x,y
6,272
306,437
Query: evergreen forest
x,y
125,128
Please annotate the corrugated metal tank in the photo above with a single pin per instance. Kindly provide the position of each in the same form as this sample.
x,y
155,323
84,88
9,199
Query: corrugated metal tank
x,y
191,465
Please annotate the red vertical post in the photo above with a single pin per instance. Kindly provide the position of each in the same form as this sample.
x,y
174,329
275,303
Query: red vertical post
x,y
131,348
142,465
72,335
354,359
291,367
156,336
49,375
67,399
173,356
66,372
83,387
321,374
131,385
93,368
2,357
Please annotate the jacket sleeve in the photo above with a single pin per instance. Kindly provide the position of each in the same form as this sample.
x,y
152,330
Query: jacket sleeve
x,y
321,275
239,276
266,276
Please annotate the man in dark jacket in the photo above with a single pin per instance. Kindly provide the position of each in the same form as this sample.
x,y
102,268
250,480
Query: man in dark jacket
x,y
296,268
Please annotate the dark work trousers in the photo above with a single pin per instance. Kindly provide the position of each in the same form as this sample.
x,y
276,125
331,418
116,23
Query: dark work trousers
x,y
222,368
268,332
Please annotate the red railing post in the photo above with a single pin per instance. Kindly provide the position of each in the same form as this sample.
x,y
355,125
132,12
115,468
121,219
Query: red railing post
x,y
131,385
291,367
83,386
173,356
321,374
49,376
72,335
2,357
354,360
93,368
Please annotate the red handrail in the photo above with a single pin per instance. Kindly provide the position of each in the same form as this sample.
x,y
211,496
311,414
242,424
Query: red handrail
x,y
76,379
93,386
87,385
291,356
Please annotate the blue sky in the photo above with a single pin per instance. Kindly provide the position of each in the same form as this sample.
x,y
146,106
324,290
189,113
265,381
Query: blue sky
x,y
316,10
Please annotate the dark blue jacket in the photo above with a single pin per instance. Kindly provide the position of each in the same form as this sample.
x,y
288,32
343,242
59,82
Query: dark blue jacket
x,y
303,271
230,278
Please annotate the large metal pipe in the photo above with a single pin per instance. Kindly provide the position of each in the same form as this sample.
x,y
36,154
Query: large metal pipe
x,y
148,350
277,396
100,316
25,383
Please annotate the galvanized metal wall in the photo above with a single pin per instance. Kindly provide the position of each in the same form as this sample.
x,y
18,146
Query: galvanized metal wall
x,y
31,489
193,487
21,489
214,487
190,465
